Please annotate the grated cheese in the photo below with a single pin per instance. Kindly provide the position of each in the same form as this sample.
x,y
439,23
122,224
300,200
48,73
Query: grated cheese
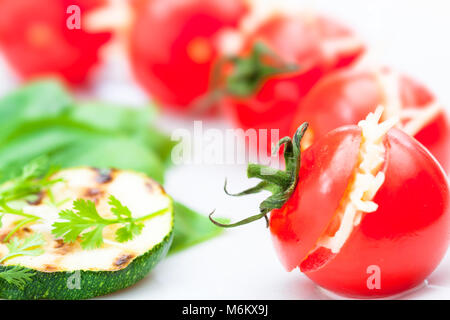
x,y
367,180
411,118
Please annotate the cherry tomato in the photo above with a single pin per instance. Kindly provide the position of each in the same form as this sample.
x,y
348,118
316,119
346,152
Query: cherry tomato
x,y
404,239
325,172
345,97
363,212
315,44
174,45
36,41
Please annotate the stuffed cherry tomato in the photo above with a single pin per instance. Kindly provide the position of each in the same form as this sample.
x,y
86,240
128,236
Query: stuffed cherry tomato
x,y
36,41
280,62
353,213
347,96
174,45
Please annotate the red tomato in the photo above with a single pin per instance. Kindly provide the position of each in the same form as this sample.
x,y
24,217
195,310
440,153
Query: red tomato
x,y
405,237
347,96
36,41
175,43
330,163
317,45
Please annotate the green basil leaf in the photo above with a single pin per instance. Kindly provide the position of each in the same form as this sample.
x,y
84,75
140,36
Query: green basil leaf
x,y
191,228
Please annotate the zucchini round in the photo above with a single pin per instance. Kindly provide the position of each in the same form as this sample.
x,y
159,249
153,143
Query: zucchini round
x,y
65,270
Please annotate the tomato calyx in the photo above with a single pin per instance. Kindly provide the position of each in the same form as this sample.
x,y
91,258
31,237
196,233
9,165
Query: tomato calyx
x,y
250,72
242,76
281,183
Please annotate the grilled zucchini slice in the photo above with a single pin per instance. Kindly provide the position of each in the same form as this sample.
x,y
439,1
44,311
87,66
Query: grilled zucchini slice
x,y
66,270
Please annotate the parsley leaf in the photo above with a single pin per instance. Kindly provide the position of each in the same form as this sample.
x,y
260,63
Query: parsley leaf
x,y
130,229
17,276
85,221
34,178
127,232
30,246
119,210
84,216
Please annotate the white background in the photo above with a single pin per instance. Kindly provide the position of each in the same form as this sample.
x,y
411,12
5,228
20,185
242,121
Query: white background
x,y
411,35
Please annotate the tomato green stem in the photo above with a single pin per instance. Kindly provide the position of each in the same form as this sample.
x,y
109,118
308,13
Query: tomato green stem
x,y
248,74
280,183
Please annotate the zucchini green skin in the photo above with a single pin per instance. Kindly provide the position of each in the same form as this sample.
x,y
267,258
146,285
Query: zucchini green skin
x,y
53,285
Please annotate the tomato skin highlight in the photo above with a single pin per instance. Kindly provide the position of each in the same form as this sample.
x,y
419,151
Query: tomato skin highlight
x,y
174,45
274,104
347,96
325,172
36,41
406,237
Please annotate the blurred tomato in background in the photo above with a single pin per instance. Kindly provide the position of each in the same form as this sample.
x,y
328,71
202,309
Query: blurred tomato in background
x,y
174,45
36,41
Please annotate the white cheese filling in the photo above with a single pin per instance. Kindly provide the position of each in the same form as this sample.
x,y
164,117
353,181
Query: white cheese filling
x,y
366,182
